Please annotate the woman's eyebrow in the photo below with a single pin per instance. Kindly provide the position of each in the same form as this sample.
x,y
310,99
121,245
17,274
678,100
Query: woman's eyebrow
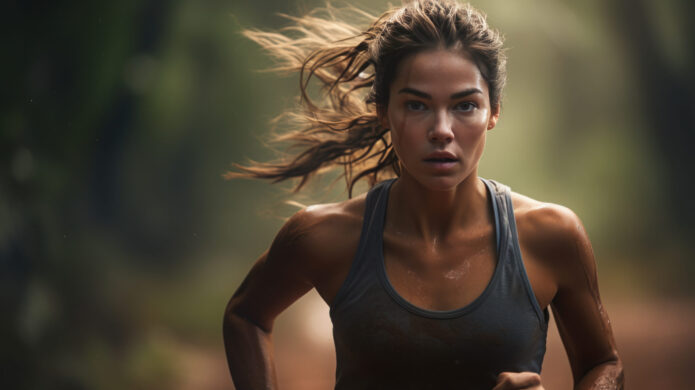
x,y
456,95
415,92
465,93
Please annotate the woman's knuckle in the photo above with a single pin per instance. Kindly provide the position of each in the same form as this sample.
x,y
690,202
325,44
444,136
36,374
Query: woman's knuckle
x,y
535,379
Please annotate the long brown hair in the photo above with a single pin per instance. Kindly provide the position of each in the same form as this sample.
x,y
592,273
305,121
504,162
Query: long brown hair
x,y
355,69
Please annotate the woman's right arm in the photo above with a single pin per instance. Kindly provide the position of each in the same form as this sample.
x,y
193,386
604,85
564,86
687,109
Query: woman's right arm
x,y
279,277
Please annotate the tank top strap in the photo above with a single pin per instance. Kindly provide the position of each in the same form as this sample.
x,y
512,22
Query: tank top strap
x,y
512,249
361,269
374,215
377,201
497,203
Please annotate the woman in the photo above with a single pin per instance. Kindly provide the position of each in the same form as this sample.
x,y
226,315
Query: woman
x,y
437,278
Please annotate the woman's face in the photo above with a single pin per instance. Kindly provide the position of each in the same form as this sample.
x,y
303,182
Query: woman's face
x,y
438,112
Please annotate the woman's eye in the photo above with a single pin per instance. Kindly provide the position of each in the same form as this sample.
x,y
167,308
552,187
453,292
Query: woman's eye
x,y
415,106
465,106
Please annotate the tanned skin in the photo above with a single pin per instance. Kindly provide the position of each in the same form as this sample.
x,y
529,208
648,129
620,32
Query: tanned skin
x,y
437,221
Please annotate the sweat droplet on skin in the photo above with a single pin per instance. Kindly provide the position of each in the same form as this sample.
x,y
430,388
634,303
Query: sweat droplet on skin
x,y
458,272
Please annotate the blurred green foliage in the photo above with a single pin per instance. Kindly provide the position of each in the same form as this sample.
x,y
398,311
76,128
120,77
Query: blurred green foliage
x,y
119,238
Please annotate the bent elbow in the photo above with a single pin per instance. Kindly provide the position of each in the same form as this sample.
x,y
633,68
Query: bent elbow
x,y
235,318
607,374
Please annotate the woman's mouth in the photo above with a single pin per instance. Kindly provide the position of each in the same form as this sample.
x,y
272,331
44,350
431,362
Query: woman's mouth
x,y
441,161
441,157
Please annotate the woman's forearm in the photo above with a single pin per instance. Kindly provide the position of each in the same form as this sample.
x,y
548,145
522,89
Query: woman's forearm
x,y
606,376
249,354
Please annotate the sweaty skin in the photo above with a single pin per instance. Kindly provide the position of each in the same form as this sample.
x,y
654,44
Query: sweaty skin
x,y
439,240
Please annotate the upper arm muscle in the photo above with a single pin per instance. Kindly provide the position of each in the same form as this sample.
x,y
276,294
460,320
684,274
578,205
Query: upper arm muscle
x,y
279,277
581,319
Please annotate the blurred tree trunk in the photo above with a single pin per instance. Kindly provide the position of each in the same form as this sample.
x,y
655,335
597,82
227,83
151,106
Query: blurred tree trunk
x,y
667,96
61,95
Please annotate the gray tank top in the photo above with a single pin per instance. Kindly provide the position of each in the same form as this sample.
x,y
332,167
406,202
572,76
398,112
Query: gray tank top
x,y
383,341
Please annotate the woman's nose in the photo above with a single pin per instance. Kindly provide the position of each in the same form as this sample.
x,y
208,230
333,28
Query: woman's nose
x,y
441,131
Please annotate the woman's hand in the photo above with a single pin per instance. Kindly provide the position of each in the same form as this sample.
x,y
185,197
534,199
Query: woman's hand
x,y
518,381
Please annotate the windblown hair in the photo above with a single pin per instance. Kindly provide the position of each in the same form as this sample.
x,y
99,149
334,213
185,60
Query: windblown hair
x,y
355,69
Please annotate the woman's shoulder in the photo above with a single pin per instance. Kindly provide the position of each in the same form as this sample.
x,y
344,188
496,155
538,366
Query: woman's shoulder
x,y
321,235
544,218
552,233
328,220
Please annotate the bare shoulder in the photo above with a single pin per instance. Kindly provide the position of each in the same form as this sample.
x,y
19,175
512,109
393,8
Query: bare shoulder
x,y
553,235
320,222
546,221
320,237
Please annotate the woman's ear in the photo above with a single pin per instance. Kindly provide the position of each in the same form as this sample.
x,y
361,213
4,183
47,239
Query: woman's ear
x,y
494,117
382,116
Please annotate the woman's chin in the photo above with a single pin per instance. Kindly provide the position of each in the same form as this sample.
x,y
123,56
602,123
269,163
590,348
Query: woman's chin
x,y
440,183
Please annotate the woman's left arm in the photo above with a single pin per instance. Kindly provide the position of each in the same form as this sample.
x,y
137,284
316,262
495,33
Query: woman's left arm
x,y
581,319
557,239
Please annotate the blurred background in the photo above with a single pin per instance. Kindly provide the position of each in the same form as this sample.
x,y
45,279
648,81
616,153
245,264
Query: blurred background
x,y
120,242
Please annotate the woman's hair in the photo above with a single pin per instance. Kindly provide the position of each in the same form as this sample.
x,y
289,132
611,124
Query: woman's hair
x,y
354,70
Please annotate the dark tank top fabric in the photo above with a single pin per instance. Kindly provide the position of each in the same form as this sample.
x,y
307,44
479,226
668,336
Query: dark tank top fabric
x,y
383,341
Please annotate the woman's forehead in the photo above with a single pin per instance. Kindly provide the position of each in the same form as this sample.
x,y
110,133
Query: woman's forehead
x,y
439,69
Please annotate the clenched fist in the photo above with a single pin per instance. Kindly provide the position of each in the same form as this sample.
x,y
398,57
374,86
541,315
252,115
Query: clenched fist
x,y
518,381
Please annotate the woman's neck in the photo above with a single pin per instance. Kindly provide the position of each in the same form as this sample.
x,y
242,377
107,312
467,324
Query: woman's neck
x,y
433,215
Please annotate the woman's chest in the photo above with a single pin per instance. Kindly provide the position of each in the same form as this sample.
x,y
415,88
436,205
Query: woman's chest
x,y
440,276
